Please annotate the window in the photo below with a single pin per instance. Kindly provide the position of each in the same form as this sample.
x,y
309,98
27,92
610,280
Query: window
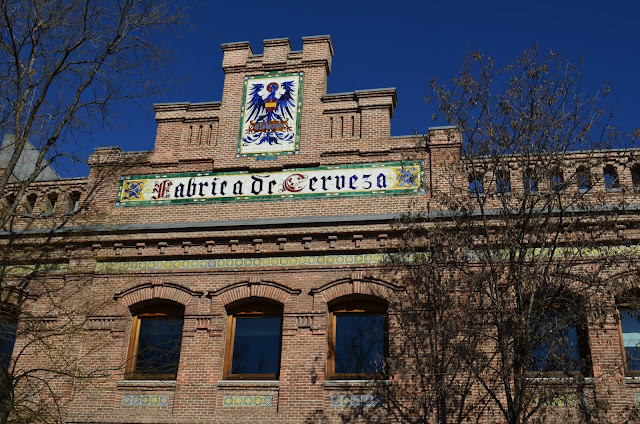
x,y
476,186
635,177
556,180
530,181
74,202
584,179
630,331
560,345
357,340
30,204
156,336
503,182
8,330
611,182
52,201
254,340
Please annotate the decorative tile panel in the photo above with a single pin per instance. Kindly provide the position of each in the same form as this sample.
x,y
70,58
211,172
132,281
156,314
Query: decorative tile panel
x,y
26,269
145,400
556,400
637,396
270,119
117,266
567,252
361,179
248,400
356,400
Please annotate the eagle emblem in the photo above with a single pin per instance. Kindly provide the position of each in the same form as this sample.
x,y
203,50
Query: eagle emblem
x,y
270,115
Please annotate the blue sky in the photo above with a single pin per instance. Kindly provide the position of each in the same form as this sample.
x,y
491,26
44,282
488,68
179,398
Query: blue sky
x,y
401,44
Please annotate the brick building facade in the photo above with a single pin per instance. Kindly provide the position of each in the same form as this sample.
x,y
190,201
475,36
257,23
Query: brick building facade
x,y
250,222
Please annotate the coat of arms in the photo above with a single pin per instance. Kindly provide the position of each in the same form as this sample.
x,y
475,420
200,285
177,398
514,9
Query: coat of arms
x,y
270,115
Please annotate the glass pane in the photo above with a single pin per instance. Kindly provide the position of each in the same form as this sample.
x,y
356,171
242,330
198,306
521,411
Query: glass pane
x,y
256,345
8,331
556,345
631,338
476,188
503,185
159,346
359,344
557,182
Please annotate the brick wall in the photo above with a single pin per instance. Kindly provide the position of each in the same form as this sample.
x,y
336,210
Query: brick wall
x,y
304,252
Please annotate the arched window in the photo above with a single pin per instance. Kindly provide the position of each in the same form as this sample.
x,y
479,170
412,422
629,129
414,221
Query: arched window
x,y
8,331
73,204
556,180
51,203
476,185
156,338
629,315
503,182
583,176
30,204
560,343
254,340
611,182
635,177
530,181
358,342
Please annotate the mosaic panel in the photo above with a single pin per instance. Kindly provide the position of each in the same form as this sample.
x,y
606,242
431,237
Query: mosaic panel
x,y
356,400
567,252
145,400
248,400
368,258
26,269
556,400
270,119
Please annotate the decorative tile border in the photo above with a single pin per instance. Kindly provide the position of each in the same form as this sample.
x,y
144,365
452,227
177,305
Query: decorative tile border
x,y
637,397
356,400
568,252
556,400
359,179
116,266
250,401
145,400
26,269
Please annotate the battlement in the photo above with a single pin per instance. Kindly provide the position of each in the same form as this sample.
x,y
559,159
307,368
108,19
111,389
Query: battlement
x,y
316,51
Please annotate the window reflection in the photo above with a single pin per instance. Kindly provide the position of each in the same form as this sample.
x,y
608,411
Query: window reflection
x,y
256,345
359,347
156,339
8,330
159,345
557,345
631,338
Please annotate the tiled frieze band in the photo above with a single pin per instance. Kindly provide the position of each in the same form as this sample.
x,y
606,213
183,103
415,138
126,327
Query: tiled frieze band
x,y
115,266
26,269
569,399
248,400
356,400
145,400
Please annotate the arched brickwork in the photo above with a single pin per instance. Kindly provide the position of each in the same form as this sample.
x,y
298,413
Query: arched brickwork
x,y
350,286
246,289
153,290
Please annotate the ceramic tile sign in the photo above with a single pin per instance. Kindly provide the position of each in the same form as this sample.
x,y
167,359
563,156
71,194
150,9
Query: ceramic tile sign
x,y
363,179
270,118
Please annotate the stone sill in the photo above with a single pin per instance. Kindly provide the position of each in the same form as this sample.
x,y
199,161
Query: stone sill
x,y
147,384
633,379
267,384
